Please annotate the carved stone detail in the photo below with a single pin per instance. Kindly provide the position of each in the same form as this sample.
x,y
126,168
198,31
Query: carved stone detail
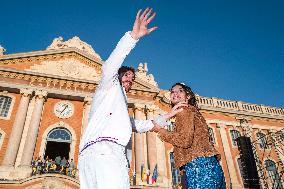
x,y
26,92
69,68
141,73
76,42
2,50
139,107
50,183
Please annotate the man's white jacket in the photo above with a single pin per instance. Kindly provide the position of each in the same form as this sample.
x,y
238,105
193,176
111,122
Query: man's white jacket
x,y
109,119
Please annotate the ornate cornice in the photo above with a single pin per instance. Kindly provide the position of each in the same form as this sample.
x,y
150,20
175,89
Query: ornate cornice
x,y
47,81
20,58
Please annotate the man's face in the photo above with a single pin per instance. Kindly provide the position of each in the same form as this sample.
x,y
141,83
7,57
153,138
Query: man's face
x,y
127,80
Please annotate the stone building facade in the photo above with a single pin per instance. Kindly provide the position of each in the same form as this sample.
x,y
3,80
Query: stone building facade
x,y
45,99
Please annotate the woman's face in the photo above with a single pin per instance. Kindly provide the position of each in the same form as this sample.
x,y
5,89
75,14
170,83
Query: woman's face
x,y
178,94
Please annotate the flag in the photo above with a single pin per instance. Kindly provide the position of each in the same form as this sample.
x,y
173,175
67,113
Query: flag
x,y
142,172
148,176
155,175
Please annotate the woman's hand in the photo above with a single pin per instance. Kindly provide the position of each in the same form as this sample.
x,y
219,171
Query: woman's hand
x,y
156,128
141,23
176,109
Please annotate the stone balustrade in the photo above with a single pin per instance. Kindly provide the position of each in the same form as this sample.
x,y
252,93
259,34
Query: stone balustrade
x,y
206,102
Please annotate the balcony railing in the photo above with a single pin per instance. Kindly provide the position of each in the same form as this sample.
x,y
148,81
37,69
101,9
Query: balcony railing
x,y
206,102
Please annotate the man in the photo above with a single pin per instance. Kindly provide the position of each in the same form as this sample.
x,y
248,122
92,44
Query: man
x,y
102,162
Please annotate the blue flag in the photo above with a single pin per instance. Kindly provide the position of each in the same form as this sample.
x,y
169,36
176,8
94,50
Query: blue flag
x,y
155,174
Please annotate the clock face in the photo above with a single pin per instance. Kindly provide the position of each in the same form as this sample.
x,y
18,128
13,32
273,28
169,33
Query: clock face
x,y
64,109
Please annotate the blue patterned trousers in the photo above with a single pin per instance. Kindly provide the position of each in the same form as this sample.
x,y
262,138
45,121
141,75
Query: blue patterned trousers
x,y
204,173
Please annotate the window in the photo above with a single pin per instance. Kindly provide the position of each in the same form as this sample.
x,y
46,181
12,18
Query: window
x,y
5,104
234,135
211,135
176,178
59,135
273,174
262,140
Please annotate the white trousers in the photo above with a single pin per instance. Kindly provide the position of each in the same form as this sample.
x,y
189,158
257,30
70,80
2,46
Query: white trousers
x,y
103,166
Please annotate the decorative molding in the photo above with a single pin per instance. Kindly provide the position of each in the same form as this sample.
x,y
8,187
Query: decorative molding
x,y
49,183
26,92
2,50
139,106
50,81
151,108
88,100
66,68
51,55
142,73
75,42
41,94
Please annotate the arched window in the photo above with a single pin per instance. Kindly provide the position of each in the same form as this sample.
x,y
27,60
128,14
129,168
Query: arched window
x,y
5,104
176,178
273,174
211,135
59,135
262,140
234,135
58,143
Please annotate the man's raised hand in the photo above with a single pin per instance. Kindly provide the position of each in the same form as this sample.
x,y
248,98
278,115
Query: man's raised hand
x,y
140,27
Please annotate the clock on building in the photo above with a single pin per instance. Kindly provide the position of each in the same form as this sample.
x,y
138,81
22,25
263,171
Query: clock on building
x,y
63,109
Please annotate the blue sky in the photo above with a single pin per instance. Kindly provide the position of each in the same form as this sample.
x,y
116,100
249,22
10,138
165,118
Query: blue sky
x,y
230,49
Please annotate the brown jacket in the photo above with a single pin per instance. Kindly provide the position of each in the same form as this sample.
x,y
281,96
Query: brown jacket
x,y
190,137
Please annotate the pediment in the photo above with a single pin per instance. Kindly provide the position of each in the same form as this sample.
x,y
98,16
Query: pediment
x,y
71,68
143,86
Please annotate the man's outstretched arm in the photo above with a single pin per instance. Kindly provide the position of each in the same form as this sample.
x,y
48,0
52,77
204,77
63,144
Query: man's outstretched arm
x,y
127,43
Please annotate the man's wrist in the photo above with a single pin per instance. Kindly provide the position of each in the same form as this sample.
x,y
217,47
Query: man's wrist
x,y
134,35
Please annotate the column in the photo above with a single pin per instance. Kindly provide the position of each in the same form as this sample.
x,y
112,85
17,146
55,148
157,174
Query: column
x,y
229,160
138,146
33,129
151,141
86,114
17,129
162,179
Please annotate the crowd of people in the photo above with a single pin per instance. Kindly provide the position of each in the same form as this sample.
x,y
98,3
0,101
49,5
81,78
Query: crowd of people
x,y
58,165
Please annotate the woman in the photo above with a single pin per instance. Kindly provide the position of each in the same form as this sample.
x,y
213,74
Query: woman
x,y
193,151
